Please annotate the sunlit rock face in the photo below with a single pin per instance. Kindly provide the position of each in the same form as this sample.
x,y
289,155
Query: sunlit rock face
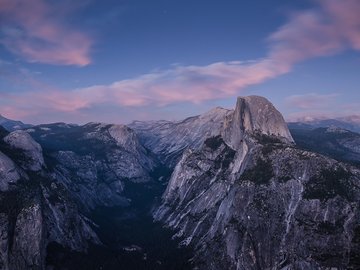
x,y
249,199
169,139
254,114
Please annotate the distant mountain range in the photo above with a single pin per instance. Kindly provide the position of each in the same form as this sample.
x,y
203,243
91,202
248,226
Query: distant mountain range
x,y
351,123
228,189
336,138
12,125
335,142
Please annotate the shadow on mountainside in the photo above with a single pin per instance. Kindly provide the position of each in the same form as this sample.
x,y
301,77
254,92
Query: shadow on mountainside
x,y
131,239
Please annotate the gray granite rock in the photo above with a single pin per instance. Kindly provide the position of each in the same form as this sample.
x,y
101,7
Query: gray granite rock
x,y
249,199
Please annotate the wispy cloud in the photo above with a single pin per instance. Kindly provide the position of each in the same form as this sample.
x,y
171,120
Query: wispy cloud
x,y
324,30
329,28
311,101
32,30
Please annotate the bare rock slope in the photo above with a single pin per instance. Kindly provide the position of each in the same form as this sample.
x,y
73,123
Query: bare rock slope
x,y
35,208
250,199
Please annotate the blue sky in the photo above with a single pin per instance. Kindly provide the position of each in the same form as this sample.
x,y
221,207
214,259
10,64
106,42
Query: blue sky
x,y
117,61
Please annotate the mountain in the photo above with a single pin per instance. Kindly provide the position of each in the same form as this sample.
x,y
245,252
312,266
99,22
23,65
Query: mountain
x,y
99,158
351,123
338,143
228,189
35,208
12,125
250,199
169,139
80,198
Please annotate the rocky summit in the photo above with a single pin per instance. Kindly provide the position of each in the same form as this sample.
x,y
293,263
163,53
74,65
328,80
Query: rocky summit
x,y
228,189
250,199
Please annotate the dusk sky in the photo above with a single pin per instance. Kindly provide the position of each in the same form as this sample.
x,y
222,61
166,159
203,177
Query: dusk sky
x,y
120,60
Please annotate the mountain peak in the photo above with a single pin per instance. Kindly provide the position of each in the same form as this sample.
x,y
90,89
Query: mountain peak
x,y
256,114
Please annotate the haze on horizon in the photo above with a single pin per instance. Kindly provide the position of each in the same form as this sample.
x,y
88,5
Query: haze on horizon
x,y
117,61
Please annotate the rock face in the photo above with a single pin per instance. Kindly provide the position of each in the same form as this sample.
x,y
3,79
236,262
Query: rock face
x,y
167,140
8,173
241,195
249,199
35,207
95,160
33,157
254,114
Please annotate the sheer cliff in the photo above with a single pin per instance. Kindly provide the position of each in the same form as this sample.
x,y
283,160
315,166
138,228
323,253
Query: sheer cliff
x,y
250,199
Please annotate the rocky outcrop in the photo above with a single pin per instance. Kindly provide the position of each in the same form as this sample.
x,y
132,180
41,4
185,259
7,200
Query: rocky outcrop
x,y
29,221
8,173
12,125
167,140
35,207
249,199
32,157
254,114
28,243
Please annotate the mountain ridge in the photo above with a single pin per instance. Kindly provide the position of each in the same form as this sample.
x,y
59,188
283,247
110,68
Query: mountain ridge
x,y
231,185
12,125
351,123
242,201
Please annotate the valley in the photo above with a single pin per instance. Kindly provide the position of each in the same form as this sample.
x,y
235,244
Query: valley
x,y
229,188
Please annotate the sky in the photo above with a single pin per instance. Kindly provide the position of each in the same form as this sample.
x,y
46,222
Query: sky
x,y
121,60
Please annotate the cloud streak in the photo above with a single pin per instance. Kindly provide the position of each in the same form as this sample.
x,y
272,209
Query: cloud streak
x,y
323,31
32,30
330,28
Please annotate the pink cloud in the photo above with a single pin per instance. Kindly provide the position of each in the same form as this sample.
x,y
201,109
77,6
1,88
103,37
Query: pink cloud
x,y
322,31
15,113
331,27
32,30
345,15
